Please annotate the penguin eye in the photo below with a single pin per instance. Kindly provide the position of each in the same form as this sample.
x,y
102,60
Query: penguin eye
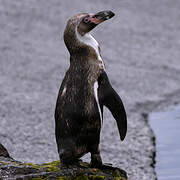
x,y
86,19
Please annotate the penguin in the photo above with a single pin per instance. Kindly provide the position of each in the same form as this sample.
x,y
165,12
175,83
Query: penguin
x,y
83,93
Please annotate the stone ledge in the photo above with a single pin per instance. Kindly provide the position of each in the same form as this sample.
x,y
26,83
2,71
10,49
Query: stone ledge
x,y
14,170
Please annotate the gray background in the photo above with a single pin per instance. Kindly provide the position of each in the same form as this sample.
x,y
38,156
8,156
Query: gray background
x,y
140,48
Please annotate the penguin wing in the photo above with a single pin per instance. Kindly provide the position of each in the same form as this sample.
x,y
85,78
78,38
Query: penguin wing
x,y
108,97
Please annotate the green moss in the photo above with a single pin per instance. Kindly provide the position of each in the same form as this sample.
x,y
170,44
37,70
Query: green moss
x,y
84,164
35,166
54,163
80,174
119,178
94,171
63,178
52,166
5,163
49,167
94,177
16,164
116,173
83,177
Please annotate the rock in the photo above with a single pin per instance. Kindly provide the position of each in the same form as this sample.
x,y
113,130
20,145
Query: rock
x,y
3,151
15,170
11,169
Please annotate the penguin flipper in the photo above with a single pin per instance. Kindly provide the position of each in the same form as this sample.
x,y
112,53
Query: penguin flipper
x,y
108,97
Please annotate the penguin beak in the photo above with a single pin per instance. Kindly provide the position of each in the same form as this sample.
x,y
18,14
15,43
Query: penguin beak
x,y
102,16
90,21
98,17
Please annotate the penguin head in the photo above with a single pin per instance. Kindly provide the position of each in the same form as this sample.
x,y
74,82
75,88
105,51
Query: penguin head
x,y
81,24
90,21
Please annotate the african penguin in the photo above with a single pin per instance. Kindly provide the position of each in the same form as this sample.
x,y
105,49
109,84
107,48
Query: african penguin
x,y
84,91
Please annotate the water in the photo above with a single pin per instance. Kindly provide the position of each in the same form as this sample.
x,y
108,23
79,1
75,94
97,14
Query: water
x,y
166,126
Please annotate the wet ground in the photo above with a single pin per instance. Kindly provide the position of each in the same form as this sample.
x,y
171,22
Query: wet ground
x,y
166,125
140,48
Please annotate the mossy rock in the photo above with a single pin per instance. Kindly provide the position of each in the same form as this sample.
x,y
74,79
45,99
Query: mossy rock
x,y
35,166
63,178
83,177
49,167
119,178
53,170
12,169
94,171
52,166
94,177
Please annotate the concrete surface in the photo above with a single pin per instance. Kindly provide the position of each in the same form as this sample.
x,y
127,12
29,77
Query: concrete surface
x,y
140,48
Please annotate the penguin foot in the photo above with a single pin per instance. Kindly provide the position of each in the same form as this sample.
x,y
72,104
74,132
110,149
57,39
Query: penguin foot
x,y
96,161
115,169
67,158
66,164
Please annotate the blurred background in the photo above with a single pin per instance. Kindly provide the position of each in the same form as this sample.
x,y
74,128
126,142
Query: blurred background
x,y
140,48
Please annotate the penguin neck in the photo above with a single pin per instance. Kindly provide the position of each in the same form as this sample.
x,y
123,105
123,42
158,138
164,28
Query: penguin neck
x,y
88,48
89,40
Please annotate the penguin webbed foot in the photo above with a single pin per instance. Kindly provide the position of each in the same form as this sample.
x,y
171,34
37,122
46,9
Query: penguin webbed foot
x,y
96,161
107,167
116,170
68,164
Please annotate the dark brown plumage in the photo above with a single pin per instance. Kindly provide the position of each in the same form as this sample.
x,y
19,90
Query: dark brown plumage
x,y
83,93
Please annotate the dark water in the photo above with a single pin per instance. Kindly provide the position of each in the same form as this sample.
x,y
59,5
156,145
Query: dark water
x,y
166,126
